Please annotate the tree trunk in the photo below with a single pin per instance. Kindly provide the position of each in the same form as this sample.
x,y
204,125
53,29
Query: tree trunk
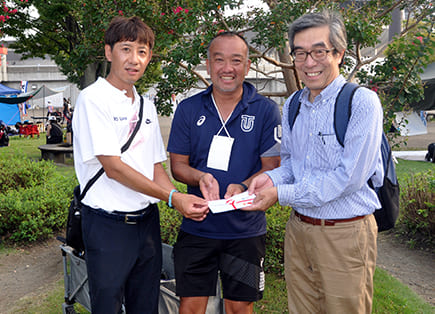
x,y
90,75
290,77
92,72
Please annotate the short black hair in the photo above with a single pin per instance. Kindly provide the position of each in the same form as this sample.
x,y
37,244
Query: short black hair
x,y
128,29
226,34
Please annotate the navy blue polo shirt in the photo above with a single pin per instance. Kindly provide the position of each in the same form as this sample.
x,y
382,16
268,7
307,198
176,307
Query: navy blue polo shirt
x,y
252,126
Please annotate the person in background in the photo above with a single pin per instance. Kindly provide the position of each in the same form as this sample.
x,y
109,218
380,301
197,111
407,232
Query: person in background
x,y
4,136
330,239
120,218
54,133
67,116
220,140
50,108
66,112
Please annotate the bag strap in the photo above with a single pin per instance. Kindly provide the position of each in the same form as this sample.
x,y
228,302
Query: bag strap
x,y
123,149
293,109
343,110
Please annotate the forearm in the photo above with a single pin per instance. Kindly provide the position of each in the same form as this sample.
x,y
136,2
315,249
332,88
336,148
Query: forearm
x,y
267,164
119,171
182,172
161,177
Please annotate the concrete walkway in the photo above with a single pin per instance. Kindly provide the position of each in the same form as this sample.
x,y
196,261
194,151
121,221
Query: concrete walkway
x,y
410,155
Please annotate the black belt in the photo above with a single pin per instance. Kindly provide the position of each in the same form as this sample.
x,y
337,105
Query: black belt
x,y
325,222
130,218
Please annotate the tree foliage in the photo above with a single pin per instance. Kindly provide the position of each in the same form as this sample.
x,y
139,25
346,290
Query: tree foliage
x,y
71,32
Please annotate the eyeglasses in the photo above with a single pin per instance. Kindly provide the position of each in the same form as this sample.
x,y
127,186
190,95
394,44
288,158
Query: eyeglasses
x,y
316,54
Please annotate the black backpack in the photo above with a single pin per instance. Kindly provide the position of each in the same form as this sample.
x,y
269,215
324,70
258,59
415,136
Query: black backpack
x,y
389,192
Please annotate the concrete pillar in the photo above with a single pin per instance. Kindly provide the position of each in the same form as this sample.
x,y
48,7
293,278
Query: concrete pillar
x,y
3,64
396,23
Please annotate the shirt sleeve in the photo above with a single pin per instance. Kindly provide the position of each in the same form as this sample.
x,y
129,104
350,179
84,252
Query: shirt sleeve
x,y
97,133
270,147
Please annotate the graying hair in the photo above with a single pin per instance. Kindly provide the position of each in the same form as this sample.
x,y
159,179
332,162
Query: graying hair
x,y
337,31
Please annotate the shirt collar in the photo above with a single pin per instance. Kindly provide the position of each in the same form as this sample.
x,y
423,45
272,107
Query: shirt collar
x,y
329,92
120,94
248,96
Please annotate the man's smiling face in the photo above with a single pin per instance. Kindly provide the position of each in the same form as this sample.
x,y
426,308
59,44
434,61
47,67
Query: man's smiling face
x,y
129,60
317,75
228,63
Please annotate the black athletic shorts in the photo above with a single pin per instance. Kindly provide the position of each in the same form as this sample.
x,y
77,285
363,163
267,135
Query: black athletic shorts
x,y
239,262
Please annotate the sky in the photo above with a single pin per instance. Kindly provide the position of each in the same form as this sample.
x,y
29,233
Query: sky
x,y
249,4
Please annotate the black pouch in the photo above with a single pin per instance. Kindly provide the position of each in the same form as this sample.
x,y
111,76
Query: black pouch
x,y
74,237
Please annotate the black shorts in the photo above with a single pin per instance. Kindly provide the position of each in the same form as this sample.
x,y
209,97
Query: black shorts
x,y
239,262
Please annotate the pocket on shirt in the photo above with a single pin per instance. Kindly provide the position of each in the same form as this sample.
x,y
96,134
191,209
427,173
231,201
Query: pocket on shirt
x,y
329,151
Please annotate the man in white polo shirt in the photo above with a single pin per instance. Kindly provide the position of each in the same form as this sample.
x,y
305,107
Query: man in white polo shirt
x,y
120,218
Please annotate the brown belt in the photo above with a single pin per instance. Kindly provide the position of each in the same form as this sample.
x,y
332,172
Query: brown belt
x,y
324,222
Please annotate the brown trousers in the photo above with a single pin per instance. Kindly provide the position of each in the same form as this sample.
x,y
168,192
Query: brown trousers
x,y
329,269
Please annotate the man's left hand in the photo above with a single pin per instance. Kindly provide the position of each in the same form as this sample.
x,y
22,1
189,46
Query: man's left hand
x,y
233,189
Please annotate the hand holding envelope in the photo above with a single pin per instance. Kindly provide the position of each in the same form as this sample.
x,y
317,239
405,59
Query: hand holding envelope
x,y
235,202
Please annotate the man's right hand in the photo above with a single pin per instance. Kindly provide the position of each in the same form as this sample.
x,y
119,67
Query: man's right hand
x,y
209,187
190,206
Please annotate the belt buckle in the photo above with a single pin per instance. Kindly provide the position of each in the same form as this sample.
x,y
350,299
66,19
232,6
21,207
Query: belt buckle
x,y
329,222
128,221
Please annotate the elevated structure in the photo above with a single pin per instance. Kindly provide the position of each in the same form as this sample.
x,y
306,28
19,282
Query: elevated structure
x,y
37,72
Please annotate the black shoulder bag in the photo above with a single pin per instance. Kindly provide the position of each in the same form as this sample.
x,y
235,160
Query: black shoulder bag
x,y
74,237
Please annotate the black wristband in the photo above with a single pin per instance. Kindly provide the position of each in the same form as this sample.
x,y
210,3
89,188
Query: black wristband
x,y
243,186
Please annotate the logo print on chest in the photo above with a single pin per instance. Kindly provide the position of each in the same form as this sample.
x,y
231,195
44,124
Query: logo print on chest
x,y
200,121
247,123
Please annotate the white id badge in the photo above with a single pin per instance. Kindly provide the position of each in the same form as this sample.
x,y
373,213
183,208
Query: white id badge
x,y
220,152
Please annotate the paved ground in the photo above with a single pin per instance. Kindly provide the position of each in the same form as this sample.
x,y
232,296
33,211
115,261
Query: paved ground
x,y
419,142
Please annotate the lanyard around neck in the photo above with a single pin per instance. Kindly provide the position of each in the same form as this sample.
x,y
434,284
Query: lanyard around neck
x,y
220,117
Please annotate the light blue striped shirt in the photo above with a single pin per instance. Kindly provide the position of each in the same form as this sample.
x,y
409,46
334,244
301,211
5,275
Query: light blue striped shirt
x,y
318,177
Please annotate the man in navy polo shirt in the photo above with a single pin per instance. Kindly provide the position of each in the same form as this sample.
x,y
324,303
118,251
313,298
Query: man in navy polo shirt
x,y
220,140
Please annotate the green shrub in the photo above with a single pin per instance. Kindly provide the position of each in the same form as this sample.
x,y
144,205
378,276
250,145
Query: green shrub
x,y
277,217
20,172
34,198
417,206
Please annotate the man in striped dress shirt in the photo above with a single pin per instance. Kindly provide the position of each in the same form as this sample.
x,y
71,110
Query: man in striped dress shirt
x,y
330,241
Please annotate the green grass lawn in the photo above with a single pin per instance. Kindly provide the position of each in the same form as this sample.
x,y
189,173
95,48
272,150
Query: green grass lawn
x,y
390,295
406,167
27,145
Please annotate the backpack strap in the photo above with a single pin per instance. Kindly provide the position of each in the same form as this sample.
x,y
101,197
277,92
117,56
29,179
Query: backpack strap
x,y
293,109
343,110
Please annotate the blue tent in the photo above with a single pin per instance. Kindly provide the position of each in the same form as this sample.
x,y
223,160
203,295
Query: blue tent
x,y
4,90
9,113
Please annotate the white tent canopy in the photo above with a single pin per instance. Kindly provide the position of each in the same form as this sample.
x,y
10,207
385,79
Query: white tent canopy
x,y
410,123
54,96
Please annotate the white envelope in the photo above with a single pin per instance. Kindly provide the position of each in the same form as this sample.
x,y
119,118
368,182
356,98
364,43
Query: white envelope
x,y
236,202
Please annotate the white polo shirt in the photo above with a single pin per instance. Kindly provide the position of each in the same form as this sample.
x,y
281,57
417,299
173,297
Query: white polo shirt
x,y
103,119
